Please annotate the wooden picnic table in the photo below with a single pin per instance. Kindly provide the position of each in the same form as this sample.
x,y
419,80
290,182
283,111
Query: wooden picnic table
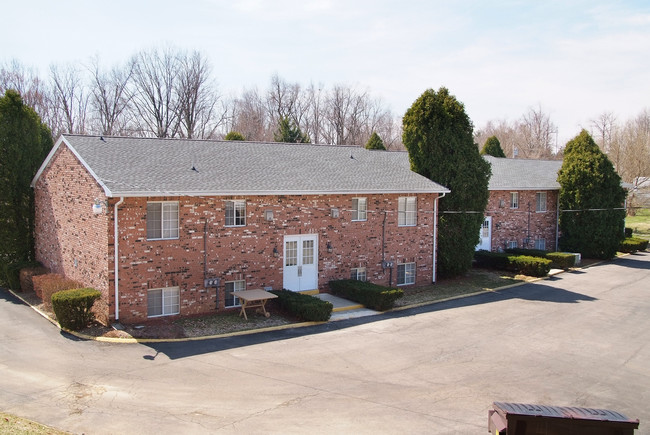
x,y
254,299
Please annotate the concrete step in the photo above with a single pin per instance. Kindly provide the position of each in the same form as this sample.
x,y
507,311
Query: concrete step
x,y
345,309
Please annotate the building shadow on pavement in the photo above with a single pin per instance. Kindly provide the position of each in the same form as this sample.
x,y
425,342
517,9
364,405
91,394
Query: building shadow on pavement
x,y
532,292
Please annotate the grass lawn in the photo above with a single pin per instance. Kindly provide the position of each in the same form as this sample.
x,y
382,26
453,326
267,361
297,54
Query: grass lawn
x,y
640,223
12,425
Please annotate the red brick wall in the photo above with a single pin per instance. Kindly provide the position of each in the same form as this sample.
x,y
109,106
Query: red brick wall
x,y
512,224
246,253
70,239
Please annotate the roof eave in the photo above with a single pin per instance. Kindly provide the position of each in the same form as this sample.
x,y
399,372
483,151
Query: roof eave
x,y
144,194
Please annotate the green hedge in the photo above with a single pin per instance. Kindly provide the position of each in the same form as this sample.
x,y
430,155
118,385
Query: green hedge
x,y
524,264
633,244
370,295
560,260
531,266
73,307
305,307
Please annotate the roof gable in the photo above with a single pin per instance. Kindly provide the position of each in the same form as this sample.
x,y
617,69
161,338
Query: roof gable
x,y
180,167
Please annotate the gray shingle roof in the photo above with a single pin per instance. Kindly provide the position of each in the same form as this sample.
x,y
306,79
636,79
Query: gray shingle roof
x,y
521,174
163,167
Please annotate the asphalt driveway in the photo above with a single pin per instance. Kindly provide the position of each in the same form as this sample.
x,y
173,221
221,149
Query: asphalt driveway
x,y
580,339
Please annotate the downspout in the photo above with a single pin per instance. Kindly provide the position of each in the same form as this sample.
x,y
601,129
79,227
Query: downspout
x,y
116,272
557,223
435,233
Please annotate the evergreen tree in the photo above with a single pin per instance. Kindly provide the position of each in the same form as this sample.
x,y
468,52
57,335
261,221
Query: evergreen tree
x,y
438,136
234,135
492,147
375,142
289,132
24,144
592,217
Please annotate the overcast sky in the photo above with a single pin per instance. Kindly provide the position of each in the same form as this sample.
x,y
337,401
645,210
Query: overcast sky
x,y
575,59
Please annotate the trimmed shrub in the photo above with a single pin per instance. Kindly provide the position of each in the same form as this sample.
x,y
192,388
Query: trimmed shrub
x,y
524,264
531,266
27,273
305,307
73,308
633,244
370,295
562,260
491,260
47,284
628,232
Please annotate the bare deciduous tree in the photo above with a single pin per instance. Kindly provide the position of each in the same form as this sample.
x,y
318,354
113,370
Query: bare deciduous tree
x,y
155,98
110,99
539,134
199,110
69,98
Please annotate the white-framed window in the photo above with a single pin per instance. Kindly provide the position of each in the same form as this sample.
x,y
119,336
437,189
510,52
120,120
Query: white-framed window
x,y
407,211
232,287
511,244
162,220
236,213
359,209
406,273
358,273
540,201
540,244
514,199
163,302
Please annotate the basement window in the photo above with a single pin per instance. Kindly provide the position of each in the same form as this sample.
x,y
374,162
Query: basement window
x,y
232,287
358,274
163,302
406,273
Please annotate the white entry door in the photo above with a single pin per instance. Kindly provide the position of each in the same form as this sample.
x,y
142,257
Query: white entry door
x,y
485,242
301,262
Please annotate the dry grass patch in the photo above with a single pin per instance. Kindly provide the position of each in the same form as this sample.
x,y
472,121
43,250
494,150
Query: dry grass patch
x,y
13,425
475,280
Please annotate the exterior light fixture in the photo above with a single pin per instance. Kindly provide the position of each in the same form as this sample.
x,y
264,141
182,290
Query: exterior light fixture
x,y
335,213
329,247
268,215
275,251
99,205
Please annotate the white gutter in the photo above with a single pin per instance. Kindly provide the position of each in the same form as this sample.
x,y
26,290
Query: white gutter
x,y
116,272
435,233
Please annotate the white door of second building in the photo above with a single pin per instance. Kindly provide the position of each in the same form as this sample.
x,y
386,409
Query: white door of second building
x,y
485,241
300,271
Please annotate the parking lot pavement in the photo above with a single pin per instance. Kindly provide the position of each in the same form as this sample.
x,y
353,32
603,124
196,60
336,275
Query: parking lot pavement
x,y
579,339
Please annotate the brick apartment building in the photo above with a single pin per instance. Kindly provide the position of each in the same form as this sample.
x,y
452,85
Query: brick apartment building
x,y
176,227
522,210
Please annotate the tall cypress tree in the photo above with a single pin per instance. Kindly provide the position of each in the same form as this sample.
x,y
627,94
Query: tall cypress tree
x,y
375,142
592,217
438,135
492,147
24,144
